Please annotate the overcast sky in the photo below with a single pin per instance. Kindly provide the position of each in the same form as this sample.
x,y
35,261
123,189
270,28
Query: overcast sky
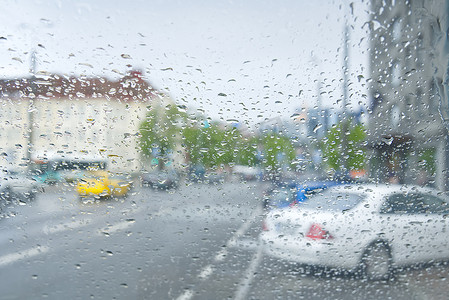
x,y
265,56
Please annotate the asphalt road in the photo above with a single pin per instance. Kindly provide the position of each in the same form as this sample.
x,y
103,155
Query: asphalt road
x,y
197,242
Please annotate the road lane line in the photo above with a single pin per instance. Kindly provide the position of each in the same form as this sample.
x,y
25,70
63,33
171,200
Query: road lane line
x,y
188,294
244,286
13,257
221,255
206,272
246,244
65,226
162,211
242,230
113,228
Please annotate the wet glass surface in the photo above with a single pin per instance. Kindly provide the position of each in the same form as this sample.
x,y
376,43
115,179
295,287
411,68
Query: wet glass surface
x,y
216,150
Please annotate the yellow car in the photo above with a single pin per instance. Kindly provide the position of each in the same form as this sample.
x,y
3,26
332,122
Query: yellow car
x,y
102,184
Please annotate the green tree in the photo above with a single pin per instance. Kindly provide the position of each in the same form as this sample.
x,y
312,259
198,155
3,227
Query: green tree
x,y
216,145
427,160
341,157
160,131
278,151
211,145
247,151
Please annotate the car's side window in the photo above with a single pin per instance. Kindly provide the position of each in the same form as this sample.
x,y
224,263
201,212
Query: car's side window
x,y
398,204
414,203
430,204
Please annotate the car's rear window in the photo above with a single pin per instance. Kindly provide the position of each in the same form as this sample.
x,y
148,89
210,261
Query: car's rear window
x,y
333,201
282,197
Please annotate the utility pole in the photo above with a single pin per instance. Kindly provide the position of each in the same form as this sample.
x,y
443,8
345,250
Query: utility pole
x,y
344,114
29,149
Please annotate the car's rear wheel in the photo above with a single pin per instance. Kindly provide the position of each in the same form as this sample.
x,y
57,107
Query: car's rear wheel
x,y
377,262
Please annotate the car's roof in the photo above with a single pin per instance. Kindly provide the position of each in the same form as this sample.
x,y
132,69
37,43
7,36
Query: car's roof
x,y
372,188
310,183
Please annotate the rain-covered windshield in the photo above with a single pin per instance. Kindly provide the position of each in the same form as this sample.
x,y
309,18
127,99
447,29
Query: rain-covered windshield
x,y
209,125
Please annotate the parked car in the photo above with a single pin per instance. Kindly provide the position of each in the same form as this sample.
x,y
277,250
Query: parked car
x,y
247,173
370,229
161,179
213,177
288,193
102,184
196,173
17,185
71,176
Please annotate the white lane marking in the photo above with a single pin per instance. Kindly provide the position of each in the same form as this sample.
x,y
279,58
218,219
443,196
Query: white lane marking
x,y
244,286
246,244
162,211
133,210
221,255
65,226
113,228
241,231
13,257
206,272
188,294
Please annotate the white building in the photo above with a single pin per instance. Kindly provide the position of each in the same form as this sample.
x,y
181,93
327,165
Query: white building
x,y
405,120
75,117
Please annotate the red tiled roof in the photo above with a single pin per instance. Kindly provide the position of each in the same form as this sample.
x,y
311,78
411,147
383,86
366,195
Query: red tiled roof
x,y
131,87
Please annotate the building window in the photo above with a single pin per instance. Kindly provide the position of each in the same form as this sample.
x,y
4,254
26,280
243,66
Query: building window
x,y
395,74
396,29
433,101
395,115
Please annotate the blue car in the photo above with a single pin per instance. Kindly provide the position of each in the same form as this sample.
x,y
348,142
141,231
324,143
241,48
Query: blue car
x,y
292,193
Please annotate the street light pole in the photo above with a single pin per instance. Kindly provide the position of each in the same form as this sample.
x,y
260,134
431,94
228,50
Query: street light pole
x,y
345,119
33,63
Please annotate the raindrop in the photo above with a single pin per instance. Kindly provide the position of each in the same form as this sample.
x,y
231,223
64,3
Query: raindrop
x,y
317,127
86,64
388,141
232,120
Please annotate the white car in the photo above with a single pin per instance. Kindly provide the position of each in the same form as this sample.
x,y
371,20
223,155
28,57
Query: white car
x,y
367,228
14,184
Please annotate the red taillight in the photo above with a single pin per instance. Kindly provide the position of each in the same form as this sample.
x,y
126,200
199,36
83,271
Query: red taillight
x,y
294,203
264,225
316,232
